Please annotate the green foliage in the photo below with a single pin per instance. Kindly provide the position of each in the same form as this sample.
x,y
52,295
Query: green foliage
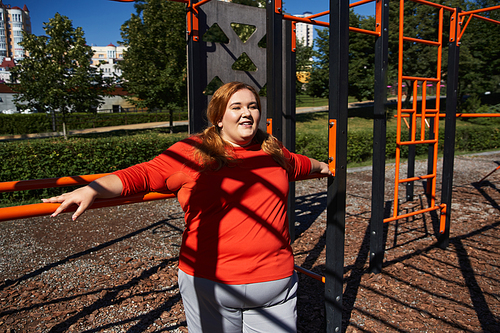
x,y
479,69
57,72
361,61
319,83
214,34
473,138
244,63
11,124
154,65
303,58
49,158
244,31
16,124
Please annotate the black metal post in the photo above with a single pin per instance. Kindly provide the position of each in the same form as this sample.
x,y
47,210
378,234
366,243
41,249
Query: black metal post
x,y
379,143
449,131
275,68
335,232
197,74
289,112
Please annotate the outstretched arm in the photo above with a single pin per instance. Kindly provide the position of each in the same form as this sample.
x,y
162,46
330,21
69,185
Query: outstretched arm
x,y
319,167
106,187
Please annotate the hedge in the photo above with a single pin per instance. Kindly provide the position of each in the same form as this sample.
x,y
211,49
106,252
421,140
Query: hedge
x,y
48,158
472,138
14,124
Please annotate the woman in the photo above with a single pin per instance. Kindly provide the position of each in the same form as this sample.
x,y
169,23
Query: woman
x,y
235,264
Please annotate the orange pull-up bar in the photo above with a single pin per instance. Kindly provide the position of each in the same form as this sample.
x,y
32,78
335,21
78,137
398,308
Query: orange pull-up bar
x,y
311,19
19,212
472,14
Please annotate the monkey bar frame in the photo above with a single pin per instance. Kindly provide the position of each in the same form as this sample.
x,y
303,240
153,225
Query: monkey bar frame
x,y
339,31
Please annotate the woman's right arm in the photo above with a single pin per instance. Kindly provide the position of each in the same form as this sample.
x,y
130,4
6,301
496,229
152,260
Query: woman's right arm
x,y
106,187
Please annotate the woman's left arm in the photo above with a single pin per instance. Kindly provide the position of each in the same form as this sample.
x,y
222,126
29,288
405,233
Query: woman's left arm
x,y
319,167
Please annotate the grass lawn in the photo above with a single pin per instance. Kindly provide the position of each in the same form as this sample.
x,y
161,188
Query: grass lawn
x,y
308,101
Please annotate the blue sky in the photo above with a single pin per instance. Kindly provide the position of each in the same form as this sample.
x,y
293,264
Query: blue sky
x,y
101,19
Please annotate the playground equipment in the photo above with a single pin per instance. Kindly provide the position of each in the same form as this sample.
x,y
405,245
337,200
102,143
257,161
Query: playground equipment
x,y
276,66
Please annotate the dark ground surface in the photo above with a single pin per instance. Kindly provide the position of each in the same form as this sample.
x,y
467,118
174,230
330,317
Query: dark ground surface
x,y
114,269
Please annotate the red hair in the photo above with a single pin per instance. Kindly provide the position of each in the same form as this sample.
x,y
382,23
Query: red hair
x,y
213,150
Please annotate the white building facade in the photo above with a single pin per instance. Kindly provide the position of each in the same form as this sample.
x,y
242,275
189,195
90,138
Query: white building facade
x,y
304,32
13,21
108,56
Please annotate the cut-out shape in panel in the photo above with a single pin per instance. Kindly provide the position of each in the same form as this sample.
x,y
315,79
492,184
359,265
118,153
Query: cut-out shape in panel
x,y
211,87
263,91
262,42
244,63
215,35
244,31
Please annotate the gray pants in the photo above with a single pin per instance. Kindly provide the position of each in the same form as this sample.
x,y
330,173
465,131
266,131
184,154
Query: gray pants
x,y
213,307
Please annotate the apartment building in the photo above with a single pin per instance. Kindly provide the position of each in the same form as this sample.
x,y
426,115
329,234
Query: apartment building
x,y
304,31
13,21
108,56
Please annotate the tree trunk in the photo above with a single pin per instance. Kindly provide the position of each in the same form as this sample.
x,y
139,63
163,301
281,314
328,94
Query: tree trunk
x,y
64,131
171,121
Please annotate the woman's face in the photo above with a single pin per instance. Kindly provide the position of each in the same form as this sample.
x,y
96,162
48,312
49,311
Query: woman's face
x,y
241,119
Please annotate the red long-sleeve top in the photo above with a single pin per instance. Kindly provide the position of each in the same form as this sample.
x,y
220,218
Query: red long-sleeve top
x,y
236,217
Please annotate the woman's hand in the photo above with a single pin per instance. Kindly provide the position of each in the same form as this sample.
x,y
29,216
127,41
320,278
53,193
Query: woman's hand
x,y
106,187
320,167
324,169
82,197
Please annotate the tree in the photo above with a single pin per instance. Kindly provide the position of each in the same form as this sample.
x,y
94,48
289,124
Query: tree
x,y
154,64
57,73
361,61
479,67
318,85
303,63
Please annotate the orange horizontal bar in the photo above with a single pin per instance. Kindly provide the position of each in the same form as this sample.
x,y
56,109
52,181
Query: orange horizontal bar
x,y
421,41
394,218
363,31
482,10
406,143
429,113
459,115
20,212
472,115
306,20
486,19
435,5
413,179
359,3
318,15
420,78
36,184
309,273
